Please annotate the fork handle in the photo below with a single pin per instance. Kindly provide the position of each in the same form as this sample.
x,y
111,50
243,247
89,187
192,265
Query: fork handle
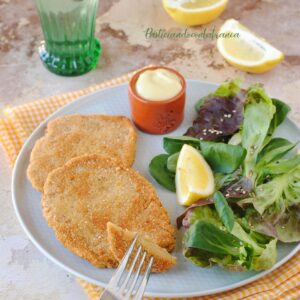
x,y
106,295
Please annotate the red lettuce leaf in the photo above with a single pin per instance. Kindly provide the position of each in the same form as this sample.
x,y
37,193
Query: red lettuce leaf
x,y
218,117
238,189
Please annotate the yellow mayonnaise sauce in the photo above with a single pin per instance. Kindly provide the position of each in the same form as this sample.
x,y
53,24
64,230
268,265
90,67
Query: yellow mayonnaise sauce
x,y
158,84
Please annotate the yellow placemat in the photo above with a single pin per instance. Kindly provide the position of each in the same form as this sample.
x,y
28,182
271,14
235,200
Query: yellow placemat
x,y
20,121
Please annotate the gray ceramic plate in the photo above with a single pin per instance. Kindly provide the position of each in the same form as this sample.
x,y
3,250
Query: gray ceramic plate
x,y
182,281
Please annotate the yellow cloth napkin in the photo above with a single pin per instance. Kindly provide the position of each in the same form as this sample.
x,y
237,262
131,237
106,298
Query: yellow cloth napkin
x,y
20,121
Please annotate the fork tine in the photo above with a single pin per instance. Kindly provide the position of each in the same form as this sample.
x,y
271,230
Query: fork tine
x,y
136,277
124,284
142,286
122,266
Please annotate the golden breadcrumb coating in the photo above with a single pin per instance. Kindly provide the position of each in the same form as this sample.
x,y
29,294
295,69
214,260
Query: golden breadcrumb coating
x,y
75,135
82,196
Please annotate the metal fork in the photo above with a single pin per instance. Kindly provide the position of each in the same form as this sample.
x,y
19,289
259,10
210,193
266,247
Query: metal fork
x,y
131,287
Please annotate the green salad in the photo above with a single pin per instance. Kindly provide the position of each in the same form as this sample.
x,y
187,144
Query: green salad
x,y
256,201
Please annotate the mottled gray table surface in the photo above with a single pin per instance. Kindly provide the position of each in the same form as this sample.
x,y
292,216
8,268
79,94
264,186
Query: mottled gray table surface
x,y
24,272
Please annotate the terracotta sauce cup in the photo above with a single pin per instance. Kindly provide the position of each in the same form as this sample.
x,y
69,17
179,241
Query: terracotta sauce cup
x,y
156,117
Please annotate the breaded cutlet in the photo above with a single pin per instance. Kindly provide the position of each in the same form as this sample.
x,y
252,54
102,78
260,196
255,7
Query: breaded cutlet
x,y
82,196
119,240
75,135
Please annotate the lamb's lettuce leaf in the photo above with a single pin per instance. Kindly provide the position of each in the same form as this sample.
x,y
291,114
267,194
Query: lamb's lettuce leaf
x,y
267,259
224,211
270,159
274,150
281,166
172,162
277,204
198,257
208,237
258,114
209,240
223,158
173,144
229,88
282,110
240,233
236,139
227,217
276,195
205,213
159,171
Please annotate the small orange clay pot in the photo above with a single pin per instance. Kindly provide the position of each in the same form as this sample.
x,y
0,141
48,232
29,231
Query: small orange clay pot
x,y
156,117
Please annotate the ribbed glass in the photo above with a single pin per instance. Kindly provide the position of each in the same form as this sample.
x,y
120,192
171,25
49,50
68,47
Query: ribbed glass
x,y
69,47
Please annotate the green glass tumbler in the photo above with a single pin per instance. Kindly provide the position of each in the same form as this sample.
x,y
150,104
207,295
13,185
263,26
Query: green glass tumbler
x,y
69,47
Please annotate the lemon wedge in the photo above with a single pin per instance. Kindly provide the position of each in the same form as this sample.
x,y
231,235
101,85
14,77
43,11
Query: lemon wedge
x,y
247,52
194,12
194,178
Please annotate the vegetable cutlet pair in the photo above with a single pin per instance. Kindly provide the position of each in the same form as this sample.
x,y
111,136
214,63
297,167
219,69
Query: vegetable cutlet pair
x,y
82,165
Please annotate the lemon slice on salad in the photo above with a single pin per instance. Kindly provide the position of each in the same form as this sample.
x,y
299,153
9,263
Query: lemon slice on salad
x,y
194,12
247,52
194,178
